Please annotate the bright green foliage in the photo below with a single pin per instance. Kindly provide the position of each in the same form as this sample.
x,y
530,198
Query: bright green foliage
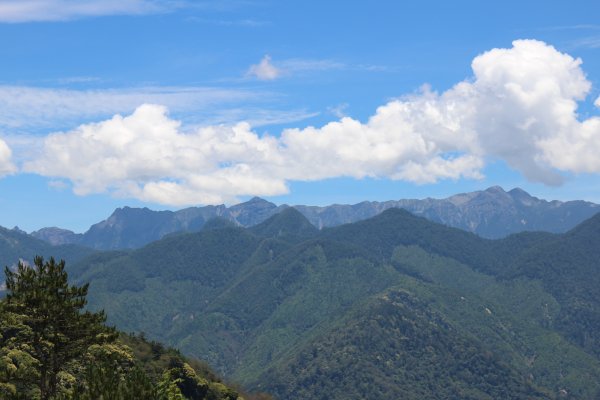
x,y
50,326
18,369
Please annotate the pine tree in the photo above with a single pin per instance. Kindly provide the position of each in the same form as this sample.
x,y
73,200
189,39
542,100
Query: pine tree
x,y
54,328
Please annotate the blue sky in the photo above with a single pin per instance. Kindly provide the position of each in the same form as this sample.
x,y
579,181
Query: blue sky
x,y
167,104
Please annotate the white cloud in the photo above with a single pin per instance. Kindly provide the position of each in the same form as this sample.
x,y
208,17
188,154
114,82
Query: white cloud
x,y
147,156
60,10
523,99
264,70
267,70
590,42
519,106
6,165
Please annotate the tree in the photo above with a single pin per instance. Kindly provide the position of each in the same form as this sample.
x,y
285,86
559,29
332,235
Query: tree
x,y
49,327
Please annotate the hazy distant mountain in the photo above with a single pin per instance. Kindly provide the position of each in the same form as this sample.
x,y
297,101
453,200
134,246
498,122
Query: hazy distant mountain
x,y
492,213
57,236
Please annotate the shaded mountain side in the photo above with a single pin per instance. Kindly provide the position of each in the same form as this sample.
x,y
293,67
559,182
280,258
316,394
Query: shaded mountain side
x,y
395,347
491,213
569,266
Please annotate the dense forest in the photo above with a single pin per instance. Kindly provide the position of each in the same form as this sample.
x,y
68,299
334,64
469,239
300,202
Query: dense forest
x,y
51,348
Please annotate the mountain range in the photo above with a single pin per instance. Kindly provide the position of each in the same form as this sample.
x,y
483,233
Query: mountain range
x,y
391,306
395,306
491,213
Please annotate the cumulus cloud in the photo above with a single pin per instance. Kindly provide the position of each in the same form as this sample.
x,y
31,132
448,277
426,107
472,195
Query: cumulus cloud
x,y
15,11
147,156
519,106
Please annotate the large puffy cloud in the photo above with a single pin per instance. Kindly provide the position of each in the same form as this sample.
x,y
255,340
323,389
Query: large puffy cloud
x,y
146,155
520,106
522,98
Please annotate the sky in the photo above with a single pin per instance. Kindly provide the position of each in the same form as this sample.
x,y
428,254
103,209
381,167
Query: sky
x,y
168,104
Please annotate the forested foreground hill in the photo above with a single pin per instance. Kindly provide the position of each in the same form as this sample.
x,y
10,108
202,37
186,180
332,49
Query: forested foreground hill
x,y
391,307
53,349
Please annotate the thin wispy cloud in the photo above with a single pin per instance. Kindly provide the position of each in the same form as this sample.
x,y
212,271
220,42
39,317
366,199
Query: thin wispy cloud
x,y
339,111
576,27
27,107
591,42
21,11
18,11
246,23
300,65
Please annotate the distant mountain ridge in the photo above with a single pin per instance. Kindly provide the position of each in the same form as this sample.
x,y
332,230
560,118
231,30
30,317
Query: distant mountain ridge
x,y
491,213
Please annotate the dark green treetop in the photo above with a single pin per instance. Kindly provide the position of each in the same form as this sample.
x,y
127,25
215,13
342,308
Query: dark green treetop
x,y
49,326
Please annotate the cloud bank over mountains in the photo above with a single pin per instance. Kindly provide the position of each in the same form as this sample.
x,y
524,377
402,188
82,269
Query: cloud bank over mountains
x,y
519,106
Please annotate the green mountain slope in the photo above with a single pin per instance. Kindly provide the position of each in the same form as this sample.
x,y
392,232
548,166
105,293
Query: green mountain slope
x,y
396,347
255,303
568,266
